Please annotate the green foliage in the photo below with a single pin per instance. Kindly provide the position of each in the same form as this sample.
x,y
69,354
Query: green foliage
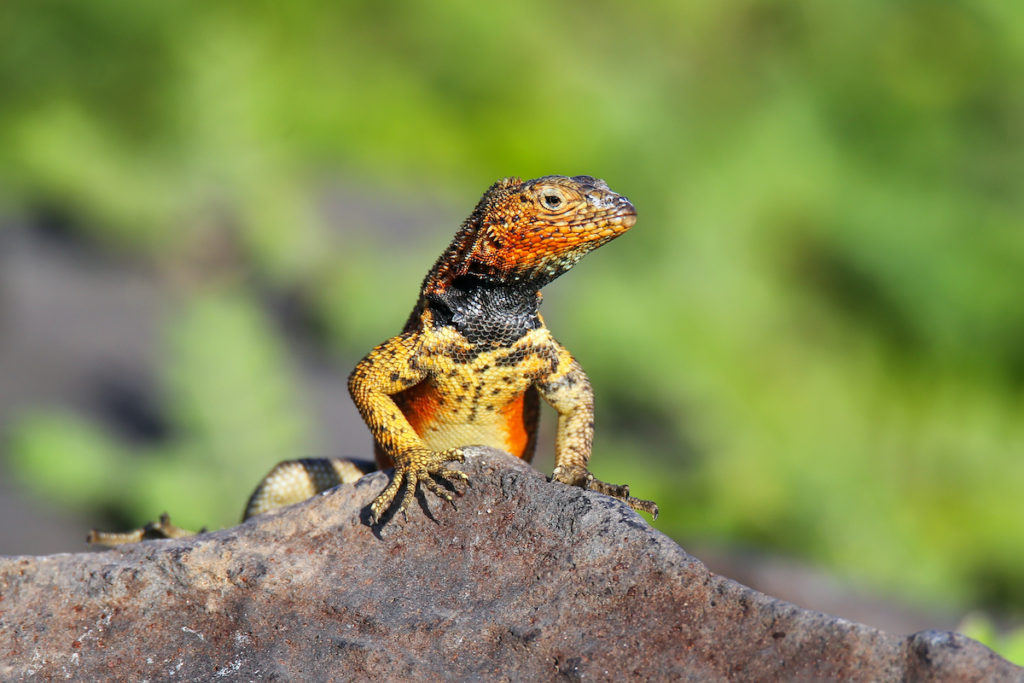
x,y
812,341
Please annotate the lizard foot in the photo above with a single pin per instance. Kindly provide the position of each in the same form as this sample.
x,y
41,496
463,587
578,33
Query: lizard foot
x,y
573,475
154,530
418,466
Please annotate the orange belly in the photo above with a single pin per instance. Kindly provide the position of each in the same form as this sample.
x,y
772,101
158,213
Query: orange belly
x,y
448,421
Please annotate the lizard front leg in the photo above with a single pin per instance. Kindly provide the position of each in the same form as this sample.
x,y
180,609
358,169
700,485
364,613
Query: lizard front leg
x,y
387,370
567,388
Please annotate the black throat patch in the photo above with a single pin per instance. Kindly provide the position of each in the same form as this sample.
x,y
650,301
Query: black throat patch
x,y
487,314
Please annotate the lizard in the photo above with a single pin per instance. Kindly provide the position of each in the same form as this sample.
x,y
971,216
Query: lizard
x,y
474,358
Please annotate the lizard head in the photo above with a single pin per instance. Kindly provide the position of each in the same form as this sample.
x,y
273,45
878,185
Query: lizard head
x,y
531,232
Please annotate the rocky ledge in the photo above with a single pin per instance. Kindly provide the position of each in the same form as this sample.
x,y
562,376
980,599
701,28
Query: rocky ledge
x,y
525,580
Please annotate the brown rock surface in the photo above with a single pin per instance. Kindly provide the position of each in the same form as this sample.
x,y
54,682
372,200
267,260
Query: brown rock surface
x,y
526,580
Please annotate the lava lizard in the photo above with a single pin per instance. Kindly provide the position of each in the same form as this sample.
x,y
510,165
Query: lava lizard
x,y
474,357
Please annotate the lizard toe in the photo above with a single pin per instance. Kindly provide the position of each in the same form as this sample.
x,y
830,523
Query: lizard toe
x,y
575,475
437,490
418,467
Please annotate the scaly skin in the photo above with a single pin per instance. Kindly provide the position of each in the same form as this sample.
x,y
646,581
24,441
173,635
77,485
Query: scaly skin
x,y
475,354
474,357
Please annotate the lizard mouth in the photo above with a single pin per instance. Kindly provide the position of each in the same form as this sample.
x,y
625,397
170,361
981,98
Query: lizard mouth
x,y
616,217
628,220
624,213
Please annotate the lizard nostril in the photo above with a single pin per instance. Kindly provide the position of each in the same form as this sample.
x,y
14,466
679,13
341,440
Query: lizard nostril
x,y
603,200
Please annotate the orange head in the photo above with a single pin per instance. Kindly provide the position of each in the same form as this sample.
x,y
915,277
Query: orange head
x,y
531,232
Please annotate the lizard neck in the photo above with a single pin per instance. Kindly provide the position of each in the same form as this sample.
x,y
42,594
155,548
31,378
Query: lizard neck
x,y
484,312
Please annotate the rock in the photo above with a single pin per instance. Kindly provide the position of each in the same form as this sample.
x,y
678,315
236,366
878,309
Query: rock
x,y
526,580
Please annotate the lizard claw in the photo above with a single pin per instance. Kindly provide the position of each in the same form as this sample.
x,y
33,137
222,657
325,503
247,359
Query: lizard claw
x,y
414,467
574,475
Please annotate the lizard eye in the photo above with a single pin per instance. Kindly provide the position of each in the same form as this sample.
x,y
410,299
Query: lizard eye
x,y
551,200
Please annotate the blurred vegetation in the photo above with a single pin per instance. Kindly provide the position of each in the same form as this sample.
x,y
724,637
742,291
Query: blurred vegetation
x,y
981,628
230,400
812,342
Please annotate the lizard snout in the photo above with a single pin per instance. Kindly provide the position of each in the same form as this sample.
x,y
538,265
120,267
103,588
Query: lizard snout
x,y
623,210
610,201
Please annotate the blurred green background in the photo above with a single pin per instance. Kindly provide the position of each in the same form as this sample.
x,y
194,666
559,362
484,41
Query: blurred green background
x,y
812,343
